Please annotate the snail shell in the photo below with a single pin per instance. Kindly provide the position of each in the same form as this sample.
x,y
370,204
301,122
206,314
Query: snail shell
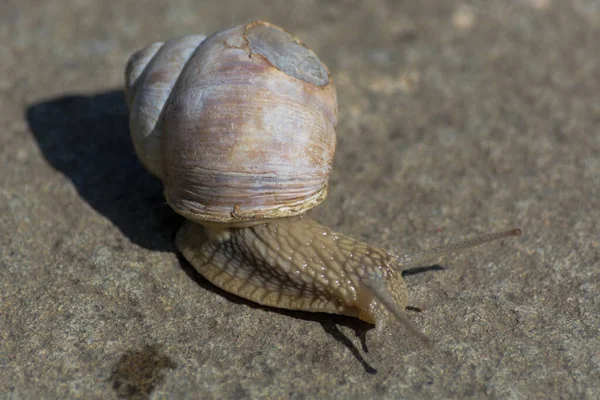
x,y
240,126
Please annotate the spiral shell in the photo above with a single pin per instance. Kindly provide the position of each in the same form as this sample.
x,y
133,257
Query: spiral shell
x,y
240,126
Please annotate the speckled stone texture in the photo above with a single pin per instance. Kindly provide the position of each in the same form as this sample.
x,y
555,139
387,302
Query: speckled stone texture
x,y
456,118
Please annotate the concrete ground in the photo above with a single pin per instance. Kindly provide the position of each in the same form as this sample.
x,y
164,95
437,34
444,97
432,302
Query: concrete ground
x,y
456,118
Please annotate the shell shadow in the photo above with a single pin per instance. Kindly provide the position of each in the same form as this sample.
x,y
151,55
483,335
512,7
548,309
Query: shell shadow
x,y
87,139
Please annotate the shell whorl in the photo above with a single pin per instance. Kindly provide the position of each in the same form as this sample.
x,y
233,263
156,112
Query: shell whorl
x,y
150,76
240,126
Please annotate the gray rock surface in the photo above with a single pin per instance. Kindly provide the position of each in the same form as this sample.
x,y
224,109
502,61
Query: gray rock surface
x,y
456,118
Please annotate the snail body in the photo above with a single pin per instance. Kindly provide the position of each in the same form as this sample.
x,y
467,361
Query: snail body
x,y
293,263
240,127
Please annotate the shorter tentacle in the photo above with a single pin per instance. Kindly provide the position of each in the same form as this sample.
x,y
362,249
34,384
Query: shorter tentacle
x,y
377,287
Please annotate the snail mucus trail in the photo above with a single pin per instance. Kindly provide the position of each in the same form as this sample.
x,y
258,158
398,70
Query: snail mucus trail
x,y
240,127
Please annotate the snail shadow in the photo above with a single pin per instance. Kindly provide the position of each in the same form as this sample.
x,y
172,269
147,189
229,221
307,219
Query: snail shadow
x,y
420,270
87,139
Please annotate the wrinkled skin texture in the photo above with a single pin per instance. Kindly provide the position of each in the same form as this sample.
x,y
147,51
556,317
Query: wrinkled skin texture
x,y
294,263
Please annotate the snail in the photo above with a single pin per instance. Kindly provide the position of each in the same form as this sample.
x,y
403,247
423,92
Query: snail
x,y
240,128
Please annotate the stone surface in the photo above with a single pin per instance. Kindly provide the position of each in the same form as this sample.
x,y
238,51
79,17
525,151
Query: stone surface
x,y
456,118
